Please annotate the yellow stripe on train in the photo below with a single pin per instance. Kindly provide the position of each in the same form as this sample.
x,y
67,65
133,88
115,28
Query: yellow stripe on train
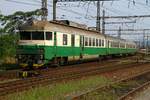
x,y
34,65
37,65
23,65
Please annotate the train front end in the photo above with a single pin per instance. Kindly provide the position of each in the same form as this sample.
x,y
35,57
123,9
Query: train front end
x,y
30,51
34,47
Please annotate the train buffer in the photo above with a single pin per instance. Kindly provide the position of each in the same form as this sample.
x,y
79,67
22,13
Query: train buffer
x,y
25,74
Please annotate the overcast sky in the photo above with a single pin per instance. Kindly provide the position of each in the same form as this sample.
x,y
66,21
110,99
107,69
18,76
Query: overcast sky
x,y
85,12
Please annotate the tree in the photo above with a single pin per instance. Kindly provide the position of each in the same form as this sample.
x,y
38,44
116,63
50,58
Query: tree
x,y
11,22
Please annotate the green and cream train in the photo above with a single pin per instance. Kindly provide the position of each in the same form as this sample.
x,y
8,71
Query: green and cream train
x,y
43,42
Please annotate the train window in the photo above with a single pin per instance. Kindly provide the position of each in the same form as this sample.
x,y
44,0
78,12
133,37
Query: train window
x,y
86,41
96,42
81,40
93,42
100,42
127,45
116,44
72,40
24,35
48,35
110,44
65,39
90,42
122,45
37,35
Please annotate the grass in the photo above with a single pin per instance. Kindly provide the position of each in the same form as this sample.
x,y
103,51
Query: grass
x,y
8,80
115,91
4,67
101,95
60,90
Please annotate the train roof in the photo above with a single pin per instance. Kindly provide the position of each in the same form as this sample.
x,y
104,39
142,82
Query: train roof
x,y
55,26
60,27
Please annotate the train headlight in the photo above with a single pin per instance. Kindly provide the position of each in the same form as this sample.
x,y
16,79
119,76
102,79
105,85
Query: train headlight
x,y
41,56
19,56
39,62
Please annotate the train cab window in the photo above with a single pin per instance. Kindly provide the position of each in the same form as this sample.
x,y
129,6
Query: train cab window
x,y
96,42
86,41
93,42
37,35
48,35
90,42
24,35
65,38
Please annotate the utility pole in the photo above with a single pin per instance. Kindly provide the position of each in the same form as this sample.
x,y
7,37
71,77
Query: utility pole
x,y
54,9
119,33
44,10
103,23
98,21
147,46
143,39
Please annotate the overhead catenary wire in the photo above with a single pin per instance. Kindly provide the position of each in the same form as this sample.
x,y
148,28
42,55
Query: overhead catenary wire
x,y
24,3
89,17
49,5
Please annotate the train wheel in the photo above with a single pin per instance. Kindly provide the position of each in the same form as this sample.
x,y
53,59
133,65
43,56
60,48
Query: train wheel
x,y
55,62
65,60
62,61
100,58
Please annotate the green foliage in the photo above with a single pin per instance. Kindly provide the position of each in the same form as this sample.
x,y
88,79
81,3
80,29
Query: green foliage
x,y
8,45
9,25
12,22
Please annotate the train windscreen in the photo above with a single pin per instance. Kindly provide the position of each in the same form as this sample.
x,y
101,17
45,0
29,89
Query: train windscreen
x,y
24,35
37,35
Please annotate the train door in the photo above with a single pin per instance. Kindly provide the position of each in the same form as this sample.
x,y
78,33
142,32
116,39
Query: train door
x,y
55,44
72,40
81,46
108,47
82,42
73,44
108,44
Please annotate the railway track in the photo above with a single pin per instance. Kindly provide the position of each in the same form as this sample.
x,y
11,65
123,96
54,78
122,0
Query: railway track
x,y
14,74
131,94
127,93
24,84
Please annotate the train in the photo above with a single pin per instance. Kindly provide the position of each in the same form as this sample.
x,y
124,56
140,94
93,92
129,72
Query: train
x,y
49,42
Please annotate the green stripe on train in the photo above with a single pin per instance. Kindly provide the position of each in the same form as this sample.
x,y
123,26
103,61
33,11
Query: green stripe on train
x,y
58,51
